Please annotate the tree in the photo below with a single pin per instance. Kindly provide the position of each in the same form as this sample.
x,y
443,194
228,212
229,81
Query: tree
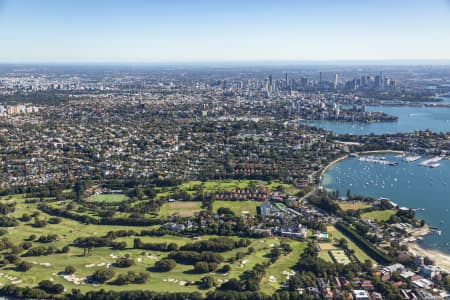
x,y
207,282
23,266
343,243
49,287
103,275
124,262
70,270
201,267
226,268
165,265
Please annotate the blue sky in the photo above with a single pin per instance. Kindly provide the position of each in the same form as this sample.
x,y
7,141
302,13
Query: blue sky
x,y
226,30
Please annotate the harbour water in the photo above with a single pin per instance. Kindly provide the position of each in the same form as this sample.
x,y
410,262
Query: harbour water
x,y
436,119
408,184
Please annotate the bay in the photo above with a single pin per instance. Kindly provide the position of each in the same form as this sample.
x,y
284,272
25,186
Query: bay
x,y
407,184
436,119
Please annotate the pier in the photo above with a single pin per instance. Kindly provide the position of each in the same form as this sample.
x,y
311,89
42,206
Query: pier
x,y
381,161
432,162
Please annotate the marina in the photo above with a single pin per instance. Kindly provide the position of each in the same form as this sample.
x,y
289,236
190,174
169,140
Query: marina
x,y
424,190
412,158
432,162
380,160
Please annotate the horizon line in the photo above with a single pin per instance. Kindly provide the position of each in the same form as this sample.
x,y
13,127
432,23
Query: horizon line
x,y
359,62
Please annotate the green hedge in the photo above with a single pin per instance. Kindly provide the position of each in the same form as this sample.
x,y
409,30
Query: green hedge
x,y
371,250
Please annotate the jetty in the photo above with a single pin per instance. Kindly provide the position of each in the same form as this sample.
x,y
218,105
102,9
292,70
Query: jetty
x,y
381,160
432,162
413,158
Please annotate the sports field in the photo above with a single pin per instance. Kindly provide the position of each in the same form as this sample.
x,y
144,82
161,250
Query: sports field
x,y
180,208
379,215
238,207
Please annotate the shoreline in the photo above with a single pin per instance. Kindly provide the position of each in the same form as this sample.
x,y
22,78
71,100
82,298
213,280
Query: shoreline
x,y
348,155
381,151
329,166
440,259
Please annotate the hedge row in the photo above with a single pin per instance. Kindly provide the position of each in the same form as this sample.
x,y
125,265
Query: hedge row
x,y
374,252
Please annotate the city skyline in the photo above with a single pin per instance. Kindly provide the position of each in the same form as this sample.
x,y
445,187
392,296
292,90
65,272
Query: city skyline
x,y
200,31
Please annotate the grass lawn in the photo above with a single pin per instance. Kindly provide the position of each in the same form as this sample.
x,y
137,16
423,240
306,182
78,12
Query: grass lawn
x,y
359,253
238,207
353,205
278,272
340,257
325,255
48,267
180,208
214,186
327,246
109,198
379,215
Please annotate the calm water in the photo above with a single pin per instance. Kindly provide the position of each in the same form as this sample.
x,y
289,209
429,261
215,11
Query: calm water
x,y
407,184
410,119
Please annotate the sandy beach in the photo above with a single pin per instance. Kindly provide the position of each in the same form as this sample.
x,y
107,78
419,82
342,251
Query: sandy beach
x,y
381,151
363,152
440,259
330,165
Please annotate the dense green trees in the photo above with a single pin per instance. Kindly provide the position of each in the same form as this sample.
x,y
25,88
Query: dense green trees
x,y
24,266
51,288
204,267
374,252
138,244
164,265
103,275
131,277
221,244
124,262
191,257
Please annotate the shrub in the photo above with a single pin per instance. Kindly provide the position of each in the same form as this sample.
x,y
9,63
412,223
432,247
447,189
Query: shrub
x,y
26,245
124,262
23,266
54,220
207,282
204,267
119,245
226,269
132,277
49,287
165,265
6,221
12,258
47,239
201,267
39,223
103,275
70,270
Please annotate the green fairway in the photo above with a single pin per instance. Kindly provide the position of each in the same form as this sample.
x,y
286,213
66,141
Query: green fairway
x,y
238,207
379,215
180,279
282,269
109,198
215,186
